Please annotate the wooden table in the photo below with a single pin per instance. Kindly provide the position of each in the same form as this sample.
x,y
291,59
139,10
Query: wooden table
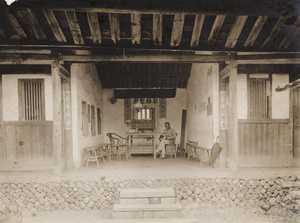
x,y
198,152
138,148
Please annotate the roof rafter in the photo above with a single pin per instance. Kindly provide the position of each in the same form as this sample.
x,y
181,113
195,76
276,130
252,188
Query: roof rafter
x,y
94,27
294,30
198,24
74,27
136,28
54,25
281,20
177,29
216,29
32,20
114,27
235,31
157,29
16,25
260,21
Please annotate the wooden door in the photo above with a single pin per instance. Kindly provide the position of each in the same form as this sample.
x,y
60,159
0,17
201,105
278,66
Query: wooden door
x,y
296,122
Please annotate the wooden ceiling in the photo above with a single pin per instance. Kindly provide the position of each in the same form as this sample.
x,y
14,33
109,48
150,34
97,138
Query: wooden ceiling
x,y
111,28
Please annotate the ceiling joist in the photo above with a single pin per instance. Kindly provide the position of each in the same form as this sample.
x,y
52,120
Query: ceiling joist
x,y
32,21
235,31
216,29
74,27
54,25
16,25
281,20
157,29
94,27
198,24
114,27
260,21
294,30
136,28
178,23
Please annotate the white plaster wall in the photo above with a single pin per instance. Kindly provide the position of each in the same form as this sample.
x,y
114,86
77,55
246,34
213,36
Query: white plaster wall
x,y
242,96
11,100
280,100
114,114
85,86
203,83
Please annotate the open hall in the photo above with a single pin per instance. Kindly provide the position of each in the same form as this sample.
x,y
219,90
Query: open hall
x,y
147,110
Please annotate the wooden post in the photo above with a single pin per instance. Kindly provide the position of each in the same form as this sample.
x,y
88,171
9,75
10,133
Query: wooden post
x,y
233,118
57,119
223,123
68,144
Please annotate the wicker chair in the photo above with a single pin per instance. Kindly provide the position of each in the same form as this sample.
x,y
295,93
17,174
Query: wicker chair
x,y
118,145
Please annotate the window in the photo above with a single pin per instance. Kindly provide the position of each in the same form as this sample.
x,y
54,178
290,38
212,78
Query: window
x,y
31,100
99,120
259,92
144,114
93,120
85,119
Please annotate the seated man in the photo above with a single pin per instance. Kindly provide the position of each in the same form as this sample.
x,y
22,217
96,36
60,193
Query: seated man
x,y
168,136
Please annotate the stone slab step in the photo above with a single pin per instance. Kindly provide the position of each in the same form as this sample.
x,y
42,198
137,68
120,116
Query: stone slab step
x,y
151,220
147,207
146,214
146,192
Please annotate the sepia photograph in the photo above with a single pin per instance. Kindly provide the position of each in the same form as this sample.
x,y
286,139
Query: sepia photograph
x,y
149,111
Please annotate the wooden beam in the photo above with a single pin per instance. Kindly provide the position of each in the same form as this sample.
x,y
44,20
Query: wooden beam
x,y
270,61
294,30
34,24
198,24
136,28
94,27
281,20
16,25
178,24
64,73
235,31
7,59
74,27
216,29
157,29
260,21
226,71
54,25
114,27
145,58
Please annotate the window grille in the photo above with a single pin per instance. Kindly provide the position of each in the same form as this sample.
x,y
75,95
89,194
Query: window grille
x,y
31,100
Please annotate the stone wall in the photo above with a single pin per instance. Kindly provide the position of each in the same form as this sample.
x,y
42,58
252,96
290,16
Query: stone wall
x,y
40,194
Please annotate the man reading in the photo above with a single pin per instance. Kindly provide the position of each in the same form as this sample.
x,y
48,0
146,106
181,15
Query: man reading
x,y
168,136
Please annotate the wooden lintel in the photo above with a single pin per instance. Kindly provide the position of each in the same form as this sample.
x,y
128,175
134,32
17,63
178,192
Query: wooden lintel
x,y
157,29
270,61
6,59
260,21
136,28
216,29
16,25
294,30
94,27
178,24
54,25
145,58
198,24
114,27
74,27
235,31
281,20
34,24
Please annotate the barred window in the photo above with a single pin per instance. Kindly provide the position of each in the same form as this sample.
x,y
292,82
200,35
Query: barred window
x,y
31,100
259,92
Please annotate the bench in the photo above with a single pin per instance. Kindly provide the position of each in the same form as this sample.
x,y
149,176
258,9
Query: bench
x,y
147,203
94,153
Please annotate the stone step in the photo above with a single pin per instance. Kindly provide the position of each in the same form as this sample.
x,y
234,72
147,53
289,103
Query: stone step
x,y
147,192
147,207
151,220
151,200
